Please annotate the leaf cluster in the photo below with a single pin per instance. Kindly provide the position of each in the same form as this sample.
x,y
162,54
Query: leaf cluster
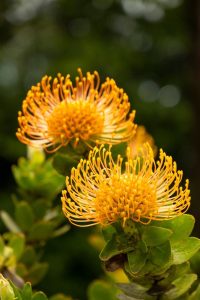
x,y
35,219
155,257
8,291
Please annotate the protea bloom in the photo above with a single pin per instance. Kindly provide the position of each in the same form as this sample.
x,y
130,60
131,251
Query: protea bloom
x,y
102,191
56,113
140,138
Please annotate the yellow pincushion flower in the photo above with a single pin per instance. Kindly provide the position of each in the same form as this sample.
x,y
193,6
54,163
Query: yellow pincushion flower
x,y
102,191
54,114
141,137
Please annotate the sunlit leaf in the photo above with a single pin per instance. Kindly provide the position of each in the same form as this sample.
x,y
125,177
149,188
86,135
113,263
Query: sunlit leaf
x,y
100,290
181,286
24,215
117,245
154,236
181,226
39,296
185,249
136,260
17,243
41,230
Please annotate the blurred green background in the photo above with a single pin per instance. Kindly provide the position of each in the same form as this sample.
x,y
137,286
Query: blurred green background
x,y
151,48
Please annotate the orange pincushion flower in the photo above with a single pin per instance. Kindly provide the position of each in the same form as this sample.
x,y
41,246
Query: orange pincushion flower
x,y
141,137
54,114
101,191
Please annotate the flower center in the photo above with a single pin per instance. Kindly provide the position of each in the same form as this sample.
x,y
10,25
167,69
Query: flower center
x,y
78,120
126,197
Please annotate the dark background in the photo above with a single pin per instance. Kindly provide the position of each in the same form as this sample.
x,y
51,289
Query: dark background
x,y
151,48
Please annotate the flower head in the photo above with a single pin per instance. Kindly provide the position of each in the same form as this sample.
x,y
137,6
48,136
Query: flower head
x,y
103,191
56,113
140,138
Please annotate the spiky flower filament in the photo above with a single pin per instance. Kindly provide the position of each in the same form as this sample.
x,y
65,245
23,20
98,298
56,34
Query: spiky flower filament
x,y
102,191
54,114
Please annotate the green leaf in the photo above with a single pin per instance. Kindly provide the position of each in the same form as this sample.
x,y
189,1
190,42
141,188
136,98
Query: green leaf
x,y
100,290
2,245
27,291
181,226
110,250
117,245
146,269
196,294
16,291
17,243
41,230
9,222
6,290
195,263
108,232
174,272
37,272
38,180
24,215
39,296
185,249
181,286
21,270
154,236
134,290
64,162
142,245
136,260
29,256
160,255
48,182
39,208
